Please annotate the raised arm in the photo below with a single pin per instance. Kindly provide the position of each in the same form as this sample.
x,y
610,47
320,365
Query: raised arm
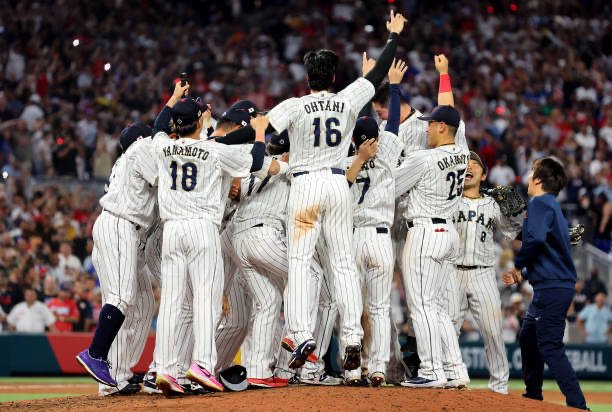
x,y
396,74
445,91
162,121
376,72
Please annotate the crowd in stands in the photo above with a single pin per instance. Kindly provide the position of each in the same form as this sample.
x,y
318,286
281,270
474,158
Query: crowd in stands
x,y
530,79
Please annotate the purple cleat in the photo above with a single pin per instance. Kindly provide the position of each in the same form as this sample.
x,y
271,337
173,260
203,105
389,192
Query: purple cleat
x,y
99,369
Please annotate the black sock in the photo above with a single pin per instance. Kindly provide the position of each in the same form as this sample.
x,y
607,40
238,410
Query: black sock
x,y
109,323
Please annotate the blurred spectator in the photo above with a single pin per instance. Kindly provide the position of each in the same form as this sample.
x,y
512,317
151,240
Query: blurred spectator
x,y
595,320
31,316
579,302
510,325
85,308
501,173
70,264
593,286
65,309
2,319
10,294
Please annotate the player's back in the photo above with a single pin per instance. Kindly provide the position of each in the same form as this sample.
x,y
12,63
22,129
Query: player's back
x,y
190,177
320,125
129,192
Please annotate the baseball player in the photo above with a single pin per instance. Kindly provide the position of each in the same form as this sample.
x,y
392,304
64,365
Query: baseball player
x,y
319,200
189,193
119,238
433,179
475,221
372,175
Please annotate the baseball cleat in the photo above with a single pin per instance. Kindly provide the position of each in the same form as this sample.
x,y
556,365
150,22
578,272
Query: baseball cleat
x,y
352,357
200,375
301,354
99,369
168,385
148,386
323,380
377,379
456,383
420,382
195,389
290,346
272,382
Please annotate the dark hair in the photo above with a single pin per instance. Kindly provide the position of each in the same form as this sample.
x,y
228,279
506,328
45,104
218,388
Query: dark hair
x,y
186,129
551,173
320,66
382,94
225,124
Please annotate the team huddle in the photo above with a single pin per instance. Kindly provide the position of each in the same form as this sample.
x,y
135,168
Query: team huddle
x,y
311,224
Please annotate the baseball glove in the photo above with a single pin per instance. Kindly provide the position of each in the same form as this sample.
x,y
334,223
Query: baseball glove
x,y
575,234
510,201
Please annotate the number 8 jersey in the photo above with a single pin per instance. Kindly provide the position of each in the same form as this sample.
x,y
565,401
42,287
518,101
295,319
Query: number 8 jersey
x,y
320,125
190,176
434,178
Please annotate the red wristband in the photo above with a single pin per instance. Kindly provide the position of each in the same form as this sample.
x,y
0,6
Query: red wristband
x,y
445,84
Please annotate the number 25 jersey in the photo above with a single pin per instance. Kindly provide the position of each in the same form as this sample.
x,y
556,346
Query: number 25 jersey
x,y
190,176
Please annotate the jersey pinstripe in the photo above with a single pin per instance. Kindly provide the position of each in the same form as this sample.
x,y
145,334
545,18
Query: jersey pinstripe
x,y
130,193
412,132
475,221
373,190
438,175
191,176
320,125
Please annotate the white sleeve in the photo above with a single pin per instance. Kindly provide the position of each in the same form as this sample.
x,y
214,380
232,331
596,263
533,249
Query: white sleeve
x,y
49,316
358,93
12,316
145,159
460,138
263,172
282,115
410,172
233,161
389,147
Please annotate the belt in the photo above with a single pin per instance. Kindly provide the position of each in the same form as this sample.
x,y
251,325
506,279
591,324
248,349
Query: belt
x,y
136,225
378,230
334,171
434,220
462,267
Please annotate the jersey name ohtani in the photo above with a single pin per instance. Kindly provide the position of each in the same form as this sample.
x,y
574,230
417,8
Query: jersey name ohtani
x,y
324,105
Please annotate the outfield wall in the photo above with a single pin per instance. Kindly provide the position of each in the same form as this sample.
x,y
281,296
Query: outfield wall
x,y
53,354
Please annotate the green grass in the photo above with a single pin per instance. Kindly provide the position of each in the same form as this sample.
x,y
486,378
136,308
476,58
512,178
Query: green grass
x,y
9,397
596,407
549,385
42,380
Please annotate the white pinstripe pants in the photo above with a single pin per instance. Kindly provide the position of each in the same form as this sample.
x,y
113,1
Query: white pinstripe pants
x,y
191,254
427,260
478,293
321,203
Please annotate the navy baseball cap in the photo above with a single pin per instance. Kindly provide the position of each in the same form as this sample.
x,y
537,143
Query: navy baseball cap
x,y
446,114
246,105
238,116
234,378
474,156
365,128
186,111
132,133
281,139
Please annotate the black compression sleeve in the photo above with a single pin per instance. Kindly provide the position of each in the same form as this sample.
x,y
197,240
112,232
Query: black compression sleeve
x,y
258,151
243,135
162,121
381,68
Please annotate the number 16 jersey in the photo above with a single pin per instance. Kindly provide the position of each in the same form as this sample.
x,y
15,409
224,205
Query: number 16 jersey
x,y
434,178
190,176
320,125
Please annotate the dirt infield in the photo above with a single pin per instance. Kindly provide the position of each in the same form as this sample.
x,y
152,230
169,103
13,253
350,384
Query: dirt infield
x,y
304,398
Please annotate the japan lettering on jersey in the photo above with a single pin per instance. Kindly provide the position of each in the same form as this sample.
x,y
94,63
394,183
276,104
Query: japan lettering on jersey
x,y
475,222
262,202
320,125
130,193
373,190
434,178
190,176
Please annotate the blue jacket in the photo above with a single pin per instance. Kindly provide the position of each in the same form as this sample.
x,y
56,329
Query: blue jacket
x,y
546,254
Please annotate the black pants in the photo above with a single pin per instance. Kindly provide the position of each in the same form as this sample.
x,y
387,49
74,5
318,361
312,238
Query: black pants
x,y
541,341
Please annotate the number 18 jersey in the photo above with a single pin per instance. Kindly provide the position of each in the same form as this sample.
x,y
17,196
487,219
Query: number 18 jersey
x,y
190,176
320,125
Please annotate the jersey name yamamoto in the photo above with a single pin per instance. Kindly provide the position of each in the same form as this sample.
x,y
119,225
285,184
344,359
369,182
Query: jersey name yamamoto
x,y
130,193
190,176
434,178
374,189
320,125
475,222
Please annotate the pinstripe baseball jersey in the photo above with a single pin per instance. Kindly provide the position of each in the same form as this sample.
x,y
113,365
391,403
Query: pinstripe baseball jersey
x,y
475,221
262,202
436,175
320,125
130,193
412,132
190,176
373,191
